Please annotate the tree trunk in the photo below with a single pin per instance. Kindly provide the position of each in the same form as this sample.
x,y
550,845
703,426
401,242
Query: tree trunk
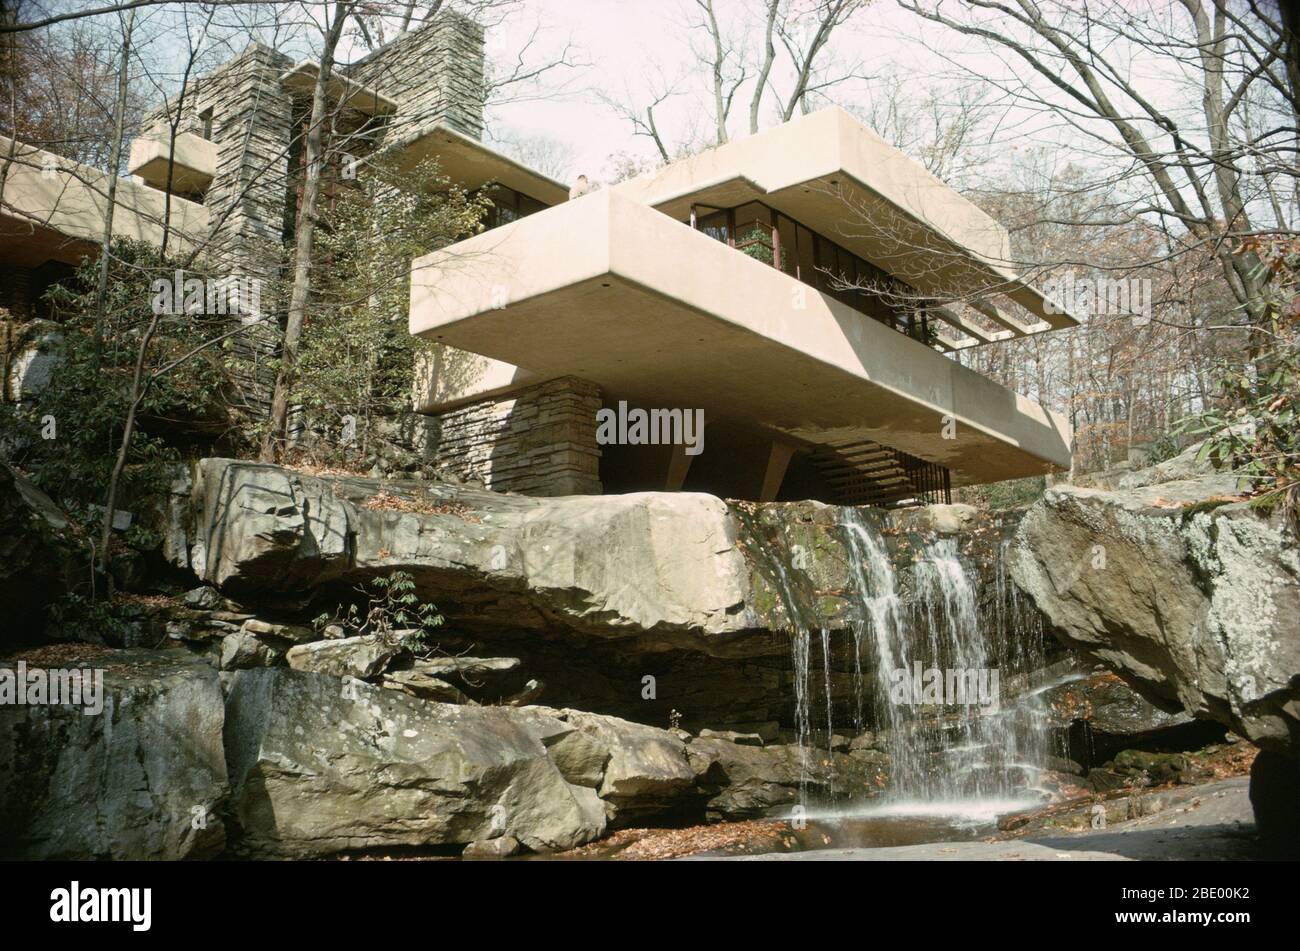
x,y
273,442
119,121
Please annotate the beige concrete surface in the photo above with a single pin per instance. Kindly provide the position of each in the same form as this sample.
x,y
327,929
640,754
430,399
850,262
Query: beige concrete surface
x,y
472,164
609,290
53,208
194,164
834,175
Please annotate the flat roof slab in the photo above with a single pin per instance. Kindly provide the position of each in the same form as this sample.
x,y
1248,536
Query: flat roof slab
x,y
610,290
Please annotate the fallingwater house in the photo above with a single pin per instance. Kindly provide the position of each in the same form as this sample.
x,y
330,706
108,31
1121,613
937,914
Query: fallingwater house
x,y
803,288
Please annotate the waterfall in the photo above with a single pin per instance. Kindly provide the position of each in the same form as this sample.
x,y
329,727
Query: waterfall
x,y
978,758
802,717
974,760
774,568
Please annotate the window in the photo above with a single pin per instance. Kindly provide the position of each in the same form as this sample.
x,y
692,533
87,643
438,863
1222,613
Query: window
x,y
715,226
758,231
205,123
509,205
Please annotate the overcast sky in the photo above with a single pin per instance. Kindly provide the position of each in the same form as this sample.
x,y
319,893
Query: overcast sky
x,y
636,47
630,49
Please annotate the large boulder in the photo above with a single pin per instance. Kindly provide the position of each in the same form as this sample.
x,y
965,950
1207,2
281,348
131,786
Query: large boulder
x,y
745,781
660,572
1190,595
143,779
363,657
652,563
646,770
321,765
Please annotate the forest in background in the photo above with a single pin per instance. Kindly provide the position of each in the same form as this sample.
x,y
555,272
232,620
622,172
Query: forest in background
x,y
1179,172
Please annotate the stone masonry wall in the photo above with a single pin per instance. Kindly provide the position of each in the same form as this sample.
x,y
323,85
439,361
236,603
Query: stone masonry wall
x,y
538,441
252,123
435,74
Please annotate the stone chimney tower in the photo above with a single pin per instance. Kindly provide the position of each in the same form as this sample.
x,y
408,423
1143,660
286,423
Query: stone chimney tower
x,y
434,74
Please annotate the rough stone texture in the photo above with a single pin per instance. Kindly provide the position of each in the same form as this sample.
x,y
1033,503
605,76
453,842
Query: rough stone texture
x,y
421,685
501,847
743,781
470,667
252,124
1100,715
538,441
315,771
581,758
635,564
361,657
28,354
646,773
320,764
434,73
1196,605
124,784
241,651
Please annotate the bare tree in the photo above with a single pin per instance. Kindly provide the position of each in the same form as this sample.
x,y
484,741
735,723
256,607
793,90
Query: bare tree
x,y
807,52
115,161
1199,168
726,79
314,156
790,45
643,119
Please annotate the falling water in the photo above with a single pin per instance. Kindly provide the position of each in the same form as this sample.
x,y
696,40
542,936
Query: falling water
x,y
800,642
968,759
964,761
802,717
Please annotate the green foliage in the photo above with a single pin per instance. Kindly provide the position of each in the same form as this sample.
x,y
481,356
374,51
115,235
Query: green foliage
x,y
84,405
357,357
1011,494
1256,432
756,242
1165,447
78,618
391,610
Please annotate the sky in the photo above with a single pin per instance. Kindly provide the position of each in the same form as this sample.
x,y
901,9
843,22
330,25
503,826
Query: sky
x,y
635,48
630,49
638,47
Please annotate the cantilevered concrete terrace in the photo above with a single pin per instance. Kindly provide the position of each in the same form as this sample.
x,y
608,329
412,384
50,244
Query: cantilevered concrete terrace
x,y
53,209
828,174
608,289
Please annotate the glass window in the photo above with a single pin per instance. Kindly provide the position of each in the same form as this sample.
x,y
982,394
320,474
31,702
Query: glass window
x,y
714,225
806,250
529,206
787,232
